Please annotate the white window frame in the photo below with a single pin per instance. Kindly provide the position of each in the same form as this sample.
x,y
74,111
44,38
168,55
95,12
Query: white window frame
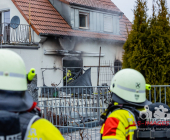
x,y
87,20
2,13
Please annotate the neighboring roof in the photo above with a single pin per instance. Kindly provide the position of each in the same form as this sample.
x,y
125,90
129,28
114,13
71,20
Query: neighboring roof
x,y
99,4
46,20
125,25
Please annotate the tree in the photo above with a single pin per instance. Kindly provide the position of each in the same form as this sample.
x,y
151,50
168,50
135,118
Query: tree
x,y
147,48
137,34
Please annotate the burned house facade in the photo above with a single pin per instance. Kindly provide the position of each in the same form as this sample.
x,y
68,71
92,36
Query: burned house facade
x,y
55,36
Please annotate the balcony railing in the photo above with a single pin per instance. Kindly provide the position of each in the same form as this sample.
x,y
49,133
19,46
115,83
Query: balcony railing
x,y
16,34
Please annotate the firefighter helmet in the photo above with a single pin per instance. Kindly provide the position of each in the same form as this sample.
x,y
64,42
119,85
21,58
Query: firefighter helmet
x,y
12,71
13,83
128,86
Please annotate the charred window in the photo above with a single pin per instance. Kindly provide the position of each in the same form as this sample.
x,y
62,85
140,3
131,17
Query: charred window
x,y
72,70
117,66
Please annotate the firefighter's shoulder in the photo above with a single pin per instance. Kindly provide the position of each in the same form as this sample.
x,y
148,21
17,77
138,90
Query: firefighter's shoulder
x,y
121,113
42,129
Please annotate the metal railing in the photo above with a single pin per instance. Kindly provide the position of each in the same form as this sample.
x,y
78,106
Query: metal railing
x,y
75,110
159,93
16,34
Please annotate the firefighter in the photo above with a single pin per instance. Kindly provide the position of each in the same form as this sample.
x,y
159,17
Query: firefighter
x,y
15,98
69,76
128,91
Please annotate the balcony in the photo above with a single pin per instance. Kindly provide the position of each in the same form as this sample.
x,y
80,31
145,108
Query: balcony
x,y
14,34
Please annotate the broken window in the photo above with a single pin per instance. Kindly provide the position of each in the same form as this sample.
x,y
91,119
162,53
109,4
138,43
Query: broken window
x,y
72,70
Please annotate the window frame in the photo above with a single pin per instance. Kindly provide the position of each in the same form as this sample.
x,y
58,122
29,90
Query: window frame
x,y
2,12
5,26
87,14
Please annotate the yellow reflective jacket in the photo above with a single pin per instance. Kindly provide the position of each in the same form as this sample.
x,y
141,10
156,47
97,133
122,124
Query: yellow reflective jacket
x,y
69,77
42,129
119,125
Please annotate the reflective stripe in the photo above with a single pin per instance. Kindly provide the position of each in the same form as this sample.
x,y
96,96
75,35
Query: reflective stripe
x,y
132,115
131,130
110,139
1,73
29,126
17,75
129,89
14,75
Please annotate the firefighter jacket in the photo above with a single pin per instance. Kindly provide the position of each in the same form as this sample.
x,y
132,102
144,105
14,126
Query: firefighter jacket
x,y
43,130
69,77
119,125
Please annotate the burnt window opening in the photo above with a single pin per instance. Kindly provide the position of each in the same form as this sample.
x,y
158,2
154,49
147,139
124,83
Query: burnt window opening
x,y
84,20
72,70
117,66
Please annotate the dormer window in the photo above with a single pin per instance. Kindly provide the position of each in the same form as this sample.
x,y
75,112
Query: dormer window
x,y
83,20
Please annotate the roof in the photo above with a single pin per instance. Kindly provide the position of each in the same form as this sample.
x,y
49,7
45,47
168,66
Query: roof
x,y
45,19
99,4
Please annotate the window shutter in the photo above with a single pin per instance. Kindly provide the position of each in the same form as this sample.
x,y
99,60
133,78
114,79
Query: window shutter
x,y
108,23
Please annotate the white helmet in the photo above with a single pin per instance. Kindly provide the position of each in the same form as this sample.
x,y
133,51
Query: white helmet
x,y
13,83
12,71
129,85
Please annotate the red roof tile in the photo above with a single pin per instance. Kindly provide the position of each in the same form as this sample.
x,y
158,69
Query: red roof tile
x,y
101,4
46,20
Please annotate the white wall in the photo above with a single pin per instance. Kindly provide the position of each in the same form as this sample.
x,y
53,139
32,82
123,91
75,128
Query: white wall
x,y
8,5
50,61
110,50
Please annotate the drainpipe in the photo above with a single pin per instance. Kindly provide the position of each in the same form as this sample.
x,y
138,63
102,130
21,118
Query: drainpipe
x,y
99,68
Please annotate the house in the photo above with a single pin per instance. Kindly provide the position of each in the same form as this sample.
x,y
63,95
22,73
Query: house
x,y
56,35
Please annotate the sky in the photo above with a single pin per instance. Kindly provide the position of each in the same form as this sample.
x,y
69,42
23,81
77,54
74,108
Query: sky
x,y
126,7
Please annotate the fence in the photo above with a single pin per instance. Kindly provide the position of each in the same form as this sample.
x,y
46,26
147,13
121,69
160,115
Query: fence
x,y
76,110
159,93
